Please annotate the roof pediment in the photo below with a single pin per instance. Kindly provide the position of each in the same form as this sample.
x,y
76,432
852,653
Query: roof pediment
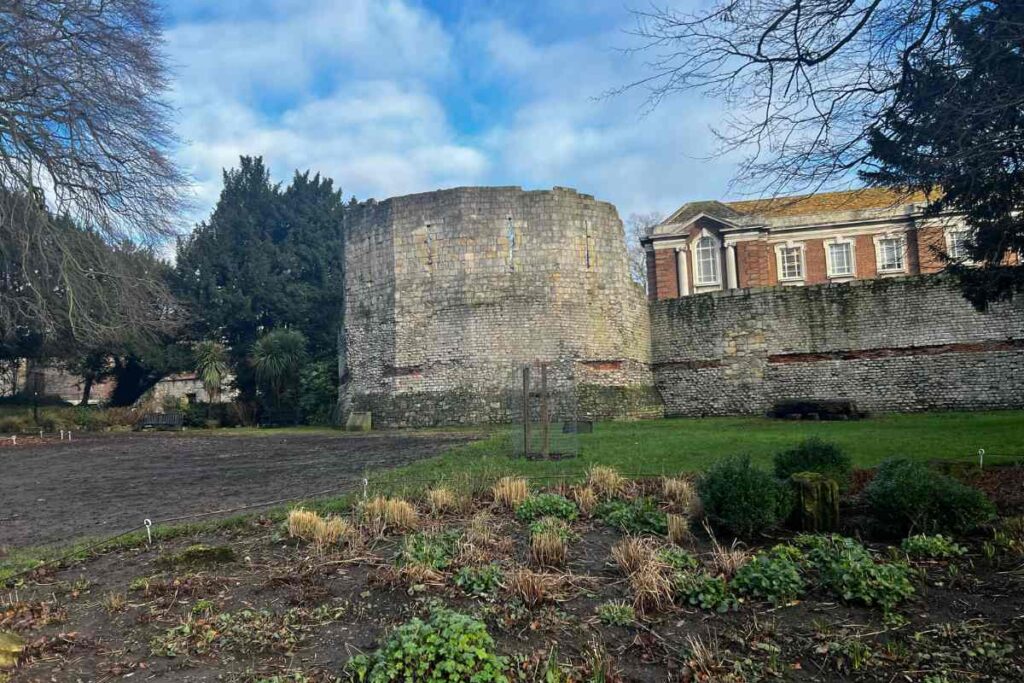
x,y
713,216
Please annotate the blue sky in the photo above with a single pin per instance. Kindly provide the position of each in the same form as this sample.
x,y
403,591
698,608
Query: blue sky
x,y
397,96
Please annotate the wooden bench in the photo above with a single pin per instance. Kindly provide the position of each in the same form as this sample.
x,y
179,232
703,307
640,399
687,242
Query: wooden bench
x,y
163,421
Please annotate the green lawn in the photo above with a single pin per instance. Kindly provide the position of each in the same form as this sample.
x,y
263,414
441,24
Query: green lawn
x,y
685,445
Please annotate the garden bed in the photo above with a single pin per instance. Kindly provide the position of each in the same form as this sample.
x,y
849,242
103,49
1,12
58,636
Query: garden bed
x,y
256,604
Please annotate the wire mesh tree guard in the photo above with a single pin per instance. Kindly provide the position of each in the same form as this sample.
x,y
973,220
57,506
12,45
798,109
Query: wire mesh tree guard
x,y
543,411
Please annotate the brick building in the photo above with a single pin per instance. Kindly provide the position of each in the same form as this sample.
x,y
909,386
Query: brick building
x,y
814,239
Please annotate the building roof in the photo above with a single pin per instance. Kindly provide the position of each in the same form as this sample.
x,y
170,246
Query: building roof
x,y
825,202
788,210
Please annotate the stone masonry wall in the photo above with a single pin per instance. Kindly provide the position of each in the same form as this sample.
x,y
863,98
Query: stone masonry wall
x,y
904,344
448,292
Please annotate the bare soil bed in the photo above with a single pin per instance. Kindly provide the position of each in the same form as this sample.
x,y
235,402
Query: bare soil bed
x,y
101,484
265,607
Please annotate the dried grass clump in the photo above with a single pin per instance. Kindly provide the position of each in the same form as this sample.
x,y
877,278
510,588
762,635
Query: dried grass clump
x,y
534,588
442,499
726,561
509,492
548,548
606,481
312,528
705,657
679,530
406,575
480,530
682,494
649,578
384,514
585,498
631,553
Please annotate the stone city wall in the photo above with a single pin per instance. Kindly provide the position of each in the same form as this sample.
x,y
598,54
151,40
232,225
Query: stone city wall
x,y
890,345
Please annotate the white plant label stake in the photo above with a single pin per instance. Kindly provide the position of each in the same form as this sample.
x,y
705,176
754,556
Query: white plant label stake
x,y
149,530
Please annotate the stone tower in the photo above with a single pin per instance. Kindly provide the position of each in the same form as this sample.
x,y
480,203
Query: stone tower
x,y
448,292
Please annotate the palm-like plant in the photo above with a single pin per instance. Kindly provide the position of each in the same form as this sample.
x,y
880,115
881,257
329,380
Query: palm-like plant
x,y
211,367
277,358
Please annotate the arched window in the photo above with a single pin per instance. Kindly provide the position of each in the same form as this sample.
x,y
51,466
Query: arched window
x,y
706,262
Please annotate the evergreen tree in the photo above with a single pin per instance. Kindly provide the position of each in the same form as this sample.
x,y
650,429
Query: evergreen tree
x,y
267,258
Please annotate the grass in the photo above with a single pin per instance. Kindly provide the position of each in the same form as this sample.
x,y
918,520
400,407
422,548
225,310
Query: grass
x,y
671,446
655,447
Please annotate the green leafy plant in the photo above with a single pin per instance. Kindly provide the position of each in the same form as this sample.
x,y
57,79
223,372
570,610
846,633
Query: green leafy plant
x,y
479,581
639,516
934,547
433,550
907,495
815,455
678,559
616,614
546,505
847,569
704,591
277,358
449,646
773,576
742,498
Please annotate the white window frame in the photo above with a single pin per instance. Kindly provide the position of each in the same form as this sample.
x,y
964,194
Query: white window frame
x,y
951,242
779,261
901,238
717,252
830,269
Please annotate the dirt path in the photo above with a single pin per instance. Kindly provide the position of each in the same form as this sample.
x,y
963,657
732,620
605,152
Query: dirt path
x,y
105,483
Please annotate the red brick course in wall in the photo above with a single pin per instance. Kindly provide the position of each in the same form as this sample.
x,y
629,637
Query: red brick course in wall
x,y
864,248
753,267
930,239
666,278
814,262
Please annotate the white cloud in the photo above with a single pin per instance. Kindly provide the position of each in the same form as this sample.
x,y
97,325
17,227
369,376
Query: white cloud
x,y
370,93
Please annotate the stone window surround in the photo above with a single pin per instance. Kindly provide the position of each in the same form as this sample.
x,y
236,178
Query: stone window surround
x,y
829,269
780,247
695,255
950,232
884,236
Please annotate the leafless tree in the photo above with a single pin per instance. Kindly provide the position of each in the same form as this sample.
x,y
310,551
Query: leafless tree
x,y
638,225
85,136
804,80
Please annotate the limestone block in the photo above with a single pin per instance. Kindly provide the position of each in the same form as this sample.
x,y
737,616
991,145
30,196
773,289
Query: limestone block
x,y
359,422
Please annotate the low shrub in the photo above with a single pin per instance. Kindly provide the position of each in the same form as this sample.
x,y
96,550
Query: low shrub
x,y
815,455
773,576
846,568
616,614
706,592
479,581
639,516
449,646
936,547
742,498
546,505
908,496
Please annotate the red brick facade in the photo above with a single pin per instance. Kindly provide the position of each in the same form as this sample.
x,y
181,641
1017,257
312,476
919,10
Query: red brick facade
x,y
753,232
